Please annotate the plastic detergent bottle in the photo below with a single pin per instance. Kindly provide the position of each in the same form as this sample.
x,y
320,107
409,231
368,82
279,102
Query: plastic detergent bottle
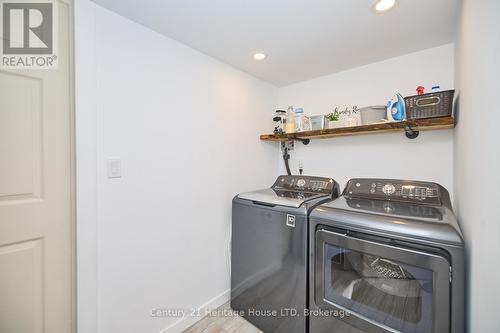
x,y
290,120
299,119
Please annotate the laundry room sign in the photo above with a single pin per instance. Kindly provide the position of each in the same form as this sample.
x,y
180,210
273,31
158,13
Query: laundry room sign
x,y
29,34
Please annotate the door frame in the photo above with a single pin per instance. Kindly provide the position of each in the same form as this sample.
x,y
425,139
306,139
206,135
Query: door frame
x,y
72,157
85,133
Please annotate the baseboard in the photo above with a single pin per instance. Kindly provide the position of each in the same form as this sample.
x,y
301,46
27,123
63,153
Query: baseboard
x,y
186,322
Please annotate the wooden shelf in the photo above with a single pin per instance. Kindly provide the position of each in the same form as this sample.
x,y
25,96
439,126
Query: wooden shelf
x,y
404,126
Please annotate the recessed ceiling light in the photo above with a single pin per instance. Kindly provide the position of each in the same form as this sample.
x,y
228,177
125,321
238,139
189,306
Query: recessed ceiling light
x,y
384,5
259,56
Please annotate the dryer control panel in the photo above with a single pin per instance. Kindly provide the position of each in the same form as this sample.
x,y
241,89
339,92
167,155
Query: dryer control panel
x,y
393,189
304,184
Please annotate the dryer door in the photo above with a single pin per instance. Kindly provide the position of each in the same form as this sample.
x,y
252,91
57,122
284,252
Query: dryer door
x,y
386,288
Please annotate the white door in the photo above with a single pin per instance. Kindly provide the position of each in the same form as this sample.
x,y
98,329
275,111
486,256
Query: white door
x,y
36,214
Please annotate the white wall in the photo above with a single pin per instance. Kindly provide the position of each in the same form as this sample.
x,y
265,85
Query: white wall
x,y
477,158
186,128
429,157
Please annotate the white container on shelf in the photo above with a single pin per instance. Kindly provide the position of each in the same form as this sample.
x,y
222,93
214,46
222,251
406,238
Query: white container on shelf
x,y
351,121
335,124
373,114
299,120
317,122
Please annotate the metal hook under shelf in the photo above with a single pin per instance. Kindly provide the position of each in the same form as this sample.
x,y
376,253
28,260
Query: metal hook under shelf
x,y
410,133
304,141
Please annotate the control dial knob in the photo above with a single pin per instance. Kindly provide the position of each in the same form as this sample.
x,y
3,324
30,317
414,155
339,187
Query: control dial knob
x,y
301,182
388,189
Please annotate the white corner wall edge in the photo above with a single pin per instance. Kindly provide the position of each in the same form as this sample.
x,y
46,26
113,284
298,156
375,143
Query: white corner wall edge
x,y
186,322
87,308
477,159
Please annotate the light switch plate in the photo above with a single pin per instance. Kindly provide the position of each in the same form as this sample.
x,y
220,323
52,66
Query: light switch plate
x,y
114,167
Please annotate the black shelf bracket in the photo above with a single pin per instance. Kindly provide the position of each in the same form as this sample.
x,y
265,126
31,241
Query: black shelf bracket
x,y
304,141
410,132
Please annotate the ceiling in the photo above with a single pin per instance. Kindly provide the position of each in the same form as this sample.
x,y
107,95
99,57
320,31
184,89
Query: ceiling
x,y
303,39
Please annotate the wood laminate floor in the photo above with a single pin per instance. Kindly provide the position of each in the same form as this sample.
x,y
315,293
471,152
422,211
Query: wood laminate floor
x,y
223,320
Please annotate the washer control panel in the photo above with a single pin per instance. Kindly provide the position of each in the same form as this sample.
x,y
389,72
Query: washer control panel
x,y
393,189
304,184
